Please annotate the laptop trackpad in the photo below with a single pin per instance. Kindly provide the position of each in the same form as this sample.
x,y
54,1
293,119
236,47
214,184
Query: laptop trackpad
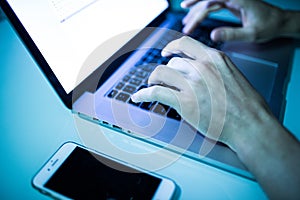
x,y
259,72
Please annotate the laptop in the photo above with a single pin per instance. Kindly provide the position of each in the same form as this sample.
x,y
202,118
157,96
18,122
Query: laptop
x,y
97,53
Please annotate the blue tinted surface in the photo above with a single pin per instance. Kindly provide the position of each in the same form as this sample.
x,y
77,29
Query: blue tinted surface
x,y
28,106
34,123
291,119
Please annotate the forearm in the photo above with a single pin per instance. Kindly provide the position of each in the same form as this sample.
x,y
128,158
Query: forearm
x,y
272,155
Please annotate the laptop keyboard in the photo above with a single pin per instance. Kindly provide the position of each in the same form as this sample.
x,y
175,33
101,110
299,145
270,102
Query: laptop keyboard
x,y
136,79
137,76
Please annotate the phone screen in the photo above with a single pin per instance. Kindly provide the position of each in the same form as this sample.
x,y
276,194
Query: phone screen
x,y
84,176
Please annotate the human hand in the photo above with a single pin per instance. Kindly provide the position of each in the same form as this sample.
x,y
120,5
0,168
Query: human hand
x,y
261,21
207,90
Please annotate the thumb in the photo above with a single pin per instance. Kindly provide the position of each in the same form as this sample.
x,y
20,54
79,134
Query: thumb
x,y
230,34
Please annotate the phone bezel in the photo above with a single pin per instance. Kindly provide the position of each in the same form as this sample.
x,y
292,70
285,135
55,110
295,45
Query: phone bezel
x,y
165,190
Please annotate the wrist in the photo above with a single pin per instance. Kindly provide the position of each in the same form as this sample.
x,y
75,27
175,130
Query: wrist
x,y
262,129
250,129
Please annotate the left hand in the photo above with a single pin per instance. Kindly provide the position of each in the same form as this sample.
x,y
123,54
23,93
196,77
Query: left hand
x,y
261,21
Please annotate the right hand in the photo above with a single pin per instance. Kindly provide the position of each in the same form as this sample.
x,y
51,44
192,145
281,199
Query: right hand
x,y
261,21
208,91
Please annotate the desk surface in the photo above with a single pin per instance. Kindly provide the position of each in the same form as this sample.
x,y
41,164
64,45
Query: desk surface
x,y
35,123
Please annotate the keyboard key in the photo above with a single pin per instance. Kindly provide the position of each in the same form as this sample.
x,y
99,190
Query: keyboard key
x,y
148,68
132,71
144,59
161,109
202,34
164,61
120,86
130,89
123,97
135,81
147,105
133,103
142,87
126,78
141,74
173,114
112,93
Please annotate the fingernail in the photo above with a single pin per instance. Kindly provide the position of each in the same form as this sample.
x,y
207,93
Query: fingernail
x,y
218,36
134,98
215,7
185,30
165,53
183,5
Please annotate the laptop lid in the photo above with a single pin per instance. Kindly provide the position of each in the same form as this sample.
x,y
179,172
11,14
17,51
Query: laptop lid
x,y
60,34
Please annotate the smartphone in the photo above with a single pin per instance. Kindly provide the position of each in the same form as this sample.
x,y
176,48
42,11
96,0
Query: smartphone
x,y
76,172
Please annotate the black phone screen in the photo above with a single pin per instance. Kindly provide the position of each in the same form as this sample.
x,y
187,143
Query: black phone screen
x,y
84,176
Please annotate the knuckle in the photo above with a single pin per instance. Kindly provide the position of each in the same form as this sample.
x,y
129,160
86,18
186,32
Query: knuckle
x,y
221,54
253,35
257,36
154,92
184,39
174,60
158,70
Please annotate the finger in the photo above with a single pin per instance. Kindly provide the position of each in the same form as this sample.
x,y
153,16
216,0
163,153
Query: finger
x,y
188,3
181,65
230,34
204,6
198,13
200,7
163,75
185,45
161,94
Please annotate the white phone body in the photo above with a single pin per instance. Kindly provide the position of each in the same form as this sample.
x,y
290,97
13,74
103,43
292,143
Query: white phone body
x,y
60,163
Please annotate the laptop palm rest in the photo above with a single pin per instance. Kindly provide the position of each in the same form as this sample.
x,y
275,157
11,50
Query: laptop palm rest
x,y
259,72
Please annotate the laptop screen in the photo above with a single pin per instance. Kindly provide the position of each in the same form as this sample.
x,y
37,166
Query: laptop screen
x,y
66,32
